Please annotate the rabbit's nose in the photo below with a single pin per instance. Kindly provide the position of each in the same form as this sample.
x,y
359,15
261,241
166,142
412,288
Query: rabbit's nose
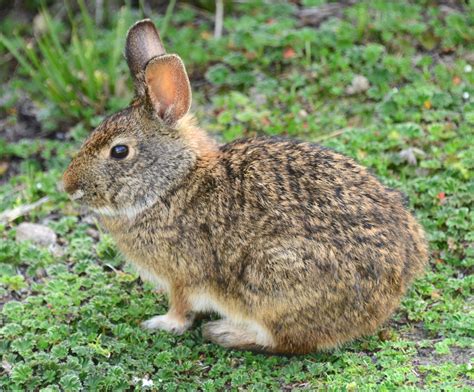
x,y
71,185
76,195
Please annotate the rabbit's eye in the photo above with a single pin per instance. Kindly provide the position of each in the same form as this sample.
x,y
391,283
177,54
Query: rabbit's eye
x,y
119,151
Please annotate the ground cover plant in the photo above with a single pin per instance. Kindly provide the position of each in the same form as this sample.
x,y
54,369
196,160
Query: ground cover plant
x,y
388,83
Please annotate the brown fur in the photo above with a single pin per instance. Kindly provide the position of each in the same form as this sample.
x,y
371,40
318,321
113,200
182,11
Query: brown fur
x,y
168,87
143,44
298,247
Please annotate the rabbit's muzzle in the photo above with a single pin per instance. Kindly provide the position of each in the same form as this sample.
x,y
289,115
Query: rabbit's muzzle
x,y
72,185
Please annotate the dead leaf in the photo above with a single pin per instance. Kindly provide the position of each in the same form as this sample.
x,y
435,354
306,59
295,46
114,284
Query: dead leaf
x,y
250,55
265,121
442,198
410,155
289,53
386,334
3,167
452,244
206,35
435,294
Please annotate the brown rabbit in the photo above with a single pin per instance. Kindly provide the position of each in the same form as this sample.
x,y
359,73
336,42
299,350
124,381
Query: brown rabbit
x,y
297,247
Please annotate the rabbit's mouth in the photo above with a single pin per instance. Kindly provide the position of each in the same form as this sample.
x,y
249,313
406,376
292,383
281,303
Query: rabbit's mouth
x,y
77,195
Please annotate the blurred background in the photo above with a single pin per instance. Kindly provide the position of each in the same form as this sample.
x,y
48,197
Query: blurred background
x,y
390,83
62,62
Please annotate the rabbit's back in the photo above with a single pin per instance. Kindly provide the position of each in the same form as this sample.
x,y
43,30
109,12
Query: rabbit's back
x,y
274,188
306,237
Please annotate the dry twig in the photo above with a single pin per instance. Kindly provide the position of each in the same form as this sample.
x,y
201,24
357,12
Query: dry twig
x,y
333,134
314,16
15,213
219,23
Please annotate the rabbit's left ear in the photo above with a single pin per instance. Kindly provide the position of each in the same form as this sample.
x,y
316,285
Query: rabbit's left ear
x,y
143,43
168,87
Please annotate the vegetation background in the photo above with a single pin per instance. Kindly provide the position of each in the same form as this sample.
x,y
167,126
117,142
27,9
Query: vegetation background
x,y
390,83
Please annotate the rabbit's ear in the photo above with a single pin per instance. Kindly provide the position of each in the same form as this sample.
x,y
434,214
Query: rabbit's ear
x,y
168,87
143,43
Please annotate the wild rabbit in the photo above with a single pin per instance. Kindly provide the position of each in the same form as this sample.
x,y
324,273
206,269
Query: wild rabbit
x,y
297,247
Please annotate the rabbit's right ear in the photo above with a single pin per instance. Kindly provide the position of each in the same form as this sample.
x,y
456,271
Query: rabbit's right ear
x,y
143,43
168,87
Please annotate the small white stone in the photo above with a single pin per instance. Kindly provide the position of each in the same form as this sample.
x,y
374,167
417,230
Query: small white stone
x,y
465,95
38,234
468,68
147,382
358,85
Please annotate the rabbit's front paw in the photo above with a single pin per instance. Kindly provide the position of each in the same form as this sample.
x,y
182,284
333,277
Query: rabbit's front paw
x,y
166,323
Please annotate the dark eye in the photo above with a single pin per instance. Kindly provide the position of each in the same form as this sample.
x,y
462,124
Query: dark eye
x,y
119,151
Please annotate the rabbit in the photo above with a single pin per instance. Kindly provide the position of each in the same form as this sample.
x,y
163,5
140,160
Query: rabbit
x,y
296,247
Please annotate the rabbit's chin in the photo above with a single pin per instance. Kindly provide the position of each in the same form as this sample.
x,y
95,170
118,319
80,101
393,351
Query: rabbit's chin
x,y
130,212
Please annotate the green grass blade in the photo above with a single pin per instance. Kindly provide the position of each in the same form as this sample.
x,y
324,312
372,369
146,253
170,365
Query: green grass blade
x,y
86,19
9,44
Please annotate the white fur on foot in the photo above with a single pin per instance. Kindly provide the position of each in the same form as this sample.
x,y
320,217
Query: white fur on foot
x,y
234,329
166,323
226,333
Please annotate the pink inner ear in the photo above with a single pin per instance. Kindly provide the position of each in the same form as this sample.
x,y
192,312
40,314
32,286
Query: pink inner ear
x,y
168,87
163,87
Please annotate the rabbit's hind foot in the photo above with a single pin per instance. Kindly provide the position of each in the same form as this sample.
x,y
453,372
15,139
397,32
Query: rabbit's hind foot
x,y
244,336
168,323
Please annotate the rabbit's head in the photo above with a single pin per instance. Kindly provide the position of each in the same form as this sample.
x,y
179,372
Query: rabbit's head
x,y
139,153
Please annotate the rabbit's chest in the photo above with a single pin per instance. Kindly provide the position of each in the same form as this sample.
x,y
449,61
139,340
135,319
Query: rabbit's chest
x,y
159,249
144,247
148,274
150,259
148,245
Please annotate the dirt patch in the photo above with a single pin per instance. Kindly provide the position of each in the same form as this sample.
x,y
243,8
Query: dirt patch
x,y
9,168
26,126
428,357
417,332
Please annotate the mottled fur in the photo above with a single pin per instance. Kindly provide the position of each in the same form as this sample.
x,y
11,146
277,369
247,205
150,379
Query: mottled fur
x,y
297,247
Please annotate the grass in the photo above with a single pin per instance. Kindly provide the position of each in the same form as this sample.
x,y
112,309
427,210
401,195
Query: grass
x,y
71,313
79,78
